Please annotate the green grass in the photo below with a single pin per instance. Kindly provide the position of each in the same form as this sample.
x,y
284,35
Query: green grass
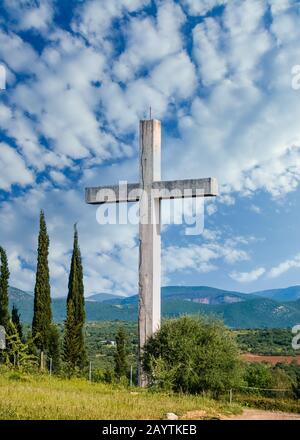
x,y
24,397
269,403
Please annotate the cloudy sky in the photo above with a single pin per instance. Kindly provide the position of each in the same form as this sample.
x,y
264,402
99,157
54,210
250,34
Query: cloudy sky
x,y
219,74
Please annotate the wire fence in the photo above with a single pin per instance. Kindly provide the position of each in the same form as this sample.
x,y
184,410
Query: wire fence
x,y
243,392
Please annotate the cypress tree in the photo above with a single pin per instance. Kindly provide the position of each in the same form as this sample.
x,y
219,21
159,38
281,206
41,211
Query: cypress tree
x,y
74,346
42,316
121,355
4,278
15,317
54,348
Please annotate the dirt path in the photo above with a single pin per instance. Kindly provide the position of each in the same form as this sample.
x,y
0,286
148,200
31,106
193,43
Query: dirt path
x,y
256,414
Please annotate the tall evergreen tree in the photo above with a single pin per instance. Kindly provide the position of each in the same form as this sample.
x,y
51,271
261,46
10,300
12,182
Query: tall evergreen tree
x,y
74,346
4,278
42,316
121,355
54,348
15,317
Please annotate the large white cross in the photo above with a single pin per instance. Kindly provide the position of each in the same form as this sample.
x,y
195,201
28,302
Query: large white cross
x,y
149,192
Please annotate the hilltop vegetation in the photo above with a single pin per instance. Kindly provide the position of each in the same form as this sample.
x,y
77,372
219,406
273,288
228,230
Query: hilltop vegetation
x,y
276,341
236,309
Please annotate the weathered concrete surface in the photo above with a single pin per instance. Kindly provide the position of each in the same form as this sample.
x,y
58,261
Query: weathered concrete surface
x,y
113,194
132,192
149,253
186,188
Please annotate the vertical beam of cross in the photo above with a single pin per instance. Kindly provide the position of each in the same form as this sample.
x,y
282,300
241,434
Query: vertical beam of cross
x,y
149,229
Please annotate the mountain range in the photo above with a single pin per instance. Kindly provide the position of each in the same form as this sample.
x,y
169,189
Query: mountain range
x,y
269,308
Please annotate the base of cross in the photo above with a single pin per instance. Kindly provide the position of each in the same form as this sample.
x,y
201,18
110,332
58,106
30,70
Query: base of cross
x,y
149,192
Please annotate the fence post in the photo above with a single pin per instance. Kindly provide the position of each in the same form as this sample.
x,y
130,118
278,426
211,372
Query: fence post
x,y
42,361
131,375
230,396
50,366
90,372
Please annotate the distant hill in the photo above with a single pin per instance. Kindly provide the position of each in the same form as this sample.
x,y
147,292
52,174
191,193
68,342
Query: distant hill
x,y
237,309
100,297
287,294
195,294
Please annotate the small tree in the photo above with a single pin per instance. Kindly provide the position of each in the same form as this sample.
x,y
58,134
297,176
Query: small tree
x,y
15,317
54,348
192,355
121,366
18,353
4,279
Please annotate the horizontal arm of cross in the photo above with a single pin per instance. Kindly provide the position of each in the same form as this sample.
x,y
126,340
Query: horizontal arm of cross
x,y
172,189
177,189
113,194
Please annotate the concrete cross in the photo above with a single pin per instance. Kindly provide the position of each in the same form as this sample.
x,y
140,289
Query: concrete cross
x,y
149,192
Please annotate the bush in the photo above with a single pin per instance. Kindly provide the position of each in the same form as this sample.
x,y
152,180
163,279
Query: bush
x,y
268,380
258,375
192,355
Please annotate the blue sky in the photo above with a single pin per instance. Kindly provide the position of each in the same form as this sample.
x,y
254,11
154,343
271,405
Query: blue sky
x,y
217,73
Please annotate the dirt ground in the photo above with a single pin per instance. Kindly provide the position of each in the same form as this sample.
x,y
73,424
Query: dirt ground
x,y
250,357
256,414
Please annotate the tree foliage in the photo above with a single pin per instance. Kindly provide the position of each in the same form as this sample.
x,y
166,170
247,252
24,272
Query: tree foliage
x,y
121,364
18,354
74,345
16,320
4,279
192,355
42,316
54,348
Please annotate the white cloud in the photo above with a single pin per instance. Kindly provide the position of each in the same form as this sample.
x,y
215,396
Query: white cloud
x,y
211,208
149,41
17,54
279,6
208,51
26,14
201,7
13,169
94,18
239,131
58,177
202,258
179,86
284,267
247,277
255,208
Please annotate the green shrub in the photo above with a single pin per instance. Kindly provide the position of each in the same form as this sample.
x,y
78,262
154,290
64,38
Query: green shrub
x,y
258,375
268,403
192,355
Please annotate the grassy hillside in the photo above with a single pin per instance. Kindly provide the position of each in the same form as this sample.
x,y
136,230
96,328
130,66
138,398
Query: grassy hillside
x,y
43,398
